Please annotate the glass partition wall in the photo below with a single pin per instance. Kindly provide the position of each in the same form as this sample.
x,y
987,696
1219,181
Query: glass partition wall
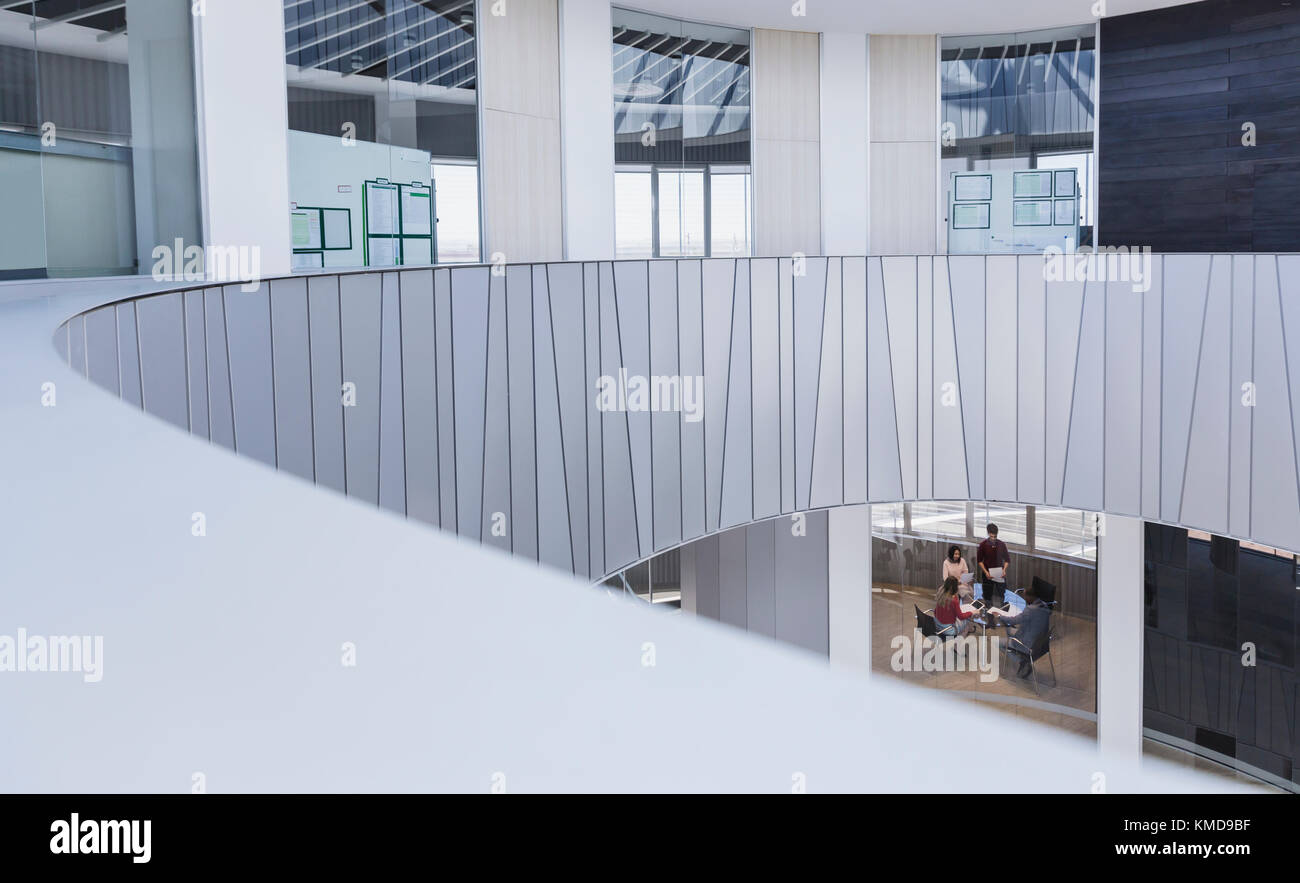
x,y
1222,652
98,147
383,141
681,95
1053,546
1018,116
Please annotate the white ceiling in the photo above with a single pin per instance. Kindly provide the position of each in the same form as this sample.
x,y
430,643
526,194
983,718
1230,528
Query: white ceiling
x,y
954,17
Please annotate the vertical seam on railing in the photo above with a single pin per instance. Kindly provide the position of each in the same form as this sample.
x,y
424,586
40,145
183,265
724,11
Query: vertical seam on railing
x,y
559,415
401,398
817,395
487,361
185,349
343,414
139,354
627,423
1196,379
311,386
1074,391
379,406
275,417
649,361
726,402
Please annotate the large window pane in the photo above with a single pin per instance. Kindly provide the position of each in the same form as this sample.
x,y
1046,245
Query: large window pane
x,y
382,99
1066,532
634,213
681,117
456,206
729,212
942,519
1013,104
98,148
1010,519
681,213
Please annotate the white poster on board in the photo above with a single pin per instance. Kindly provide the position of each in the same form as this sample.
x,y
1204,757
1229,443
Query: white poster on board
x,y
381,209
383,252
417,213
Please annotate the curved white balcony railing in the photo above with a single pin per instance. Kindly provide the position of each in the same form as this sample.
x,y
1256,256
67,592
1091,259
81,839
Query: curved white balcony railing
x,y
470,400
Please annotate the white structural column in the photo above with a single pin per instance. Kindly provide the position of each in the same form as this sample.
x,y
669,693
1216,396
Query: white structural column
x,y
844,144
849,586
243,123
587,129
164,160
519,56
904,100
786,128
1119,638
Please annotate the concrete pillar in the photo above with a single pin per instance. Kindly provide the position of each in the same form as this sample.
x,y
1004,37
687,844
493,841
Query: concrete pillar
x,y
587,129
1120,550
849,586
844,143
243,122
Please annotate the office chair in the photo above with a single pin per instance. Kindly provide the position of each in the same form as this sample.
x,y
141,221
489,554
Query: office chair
x,y
929,628
1043,647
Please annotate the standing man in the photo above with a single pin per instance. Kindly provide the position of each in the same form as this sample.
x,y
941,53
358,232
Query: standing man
x,y
994,561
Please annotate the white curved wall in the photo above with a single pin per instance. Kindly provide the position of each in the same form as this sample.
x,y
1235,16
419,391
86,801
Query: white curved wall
x,y
864,379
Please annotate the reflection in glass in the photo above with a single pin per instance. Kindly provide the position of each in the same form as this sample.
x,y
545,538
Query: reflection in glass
x,y
1018,102
681,96
1220,651
98,148
383,113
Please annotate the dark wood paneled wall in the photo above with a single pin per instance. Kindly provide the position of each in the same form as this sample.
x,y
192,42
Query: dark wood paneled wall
x,y
912,561
1177,85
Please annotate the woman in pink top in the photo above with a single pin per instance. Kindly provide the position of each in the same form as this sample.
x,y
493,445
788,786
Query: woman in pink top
x,y
954,566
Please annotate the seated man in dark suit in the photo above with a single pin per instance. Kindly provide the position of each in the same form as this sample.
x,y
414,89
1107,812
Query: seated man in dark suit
x,y
1030,624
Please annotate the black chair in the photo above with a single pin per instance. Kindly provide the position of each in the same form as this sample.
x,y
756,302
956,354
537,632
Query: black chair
x,y
1046,593
1043,647
929,627
926,623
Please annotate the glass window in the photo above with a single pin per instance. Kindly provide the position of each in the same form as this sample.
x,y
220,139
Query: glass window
x,y
634,212
1066,532
1011,521
1018,102
383,141
942,519
887,518
729,211
681,138
681,213
98,147
455,187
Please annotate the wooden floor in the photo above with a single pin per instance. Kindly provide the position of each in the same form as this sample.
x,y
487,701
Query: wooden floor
x,y
1074,651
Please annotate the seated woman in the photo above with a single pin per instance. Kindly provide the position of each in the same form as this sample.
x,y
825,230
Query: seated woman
x,y
949,615
954,566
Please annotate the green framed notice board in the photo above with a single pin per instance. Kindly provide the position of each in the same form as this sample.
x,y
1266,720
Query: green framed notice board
x,y
398,220
317,229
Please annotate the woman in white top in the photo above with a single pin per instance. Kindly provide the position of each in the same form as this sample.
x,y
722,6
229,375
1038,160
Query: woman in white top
x,y
954,566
